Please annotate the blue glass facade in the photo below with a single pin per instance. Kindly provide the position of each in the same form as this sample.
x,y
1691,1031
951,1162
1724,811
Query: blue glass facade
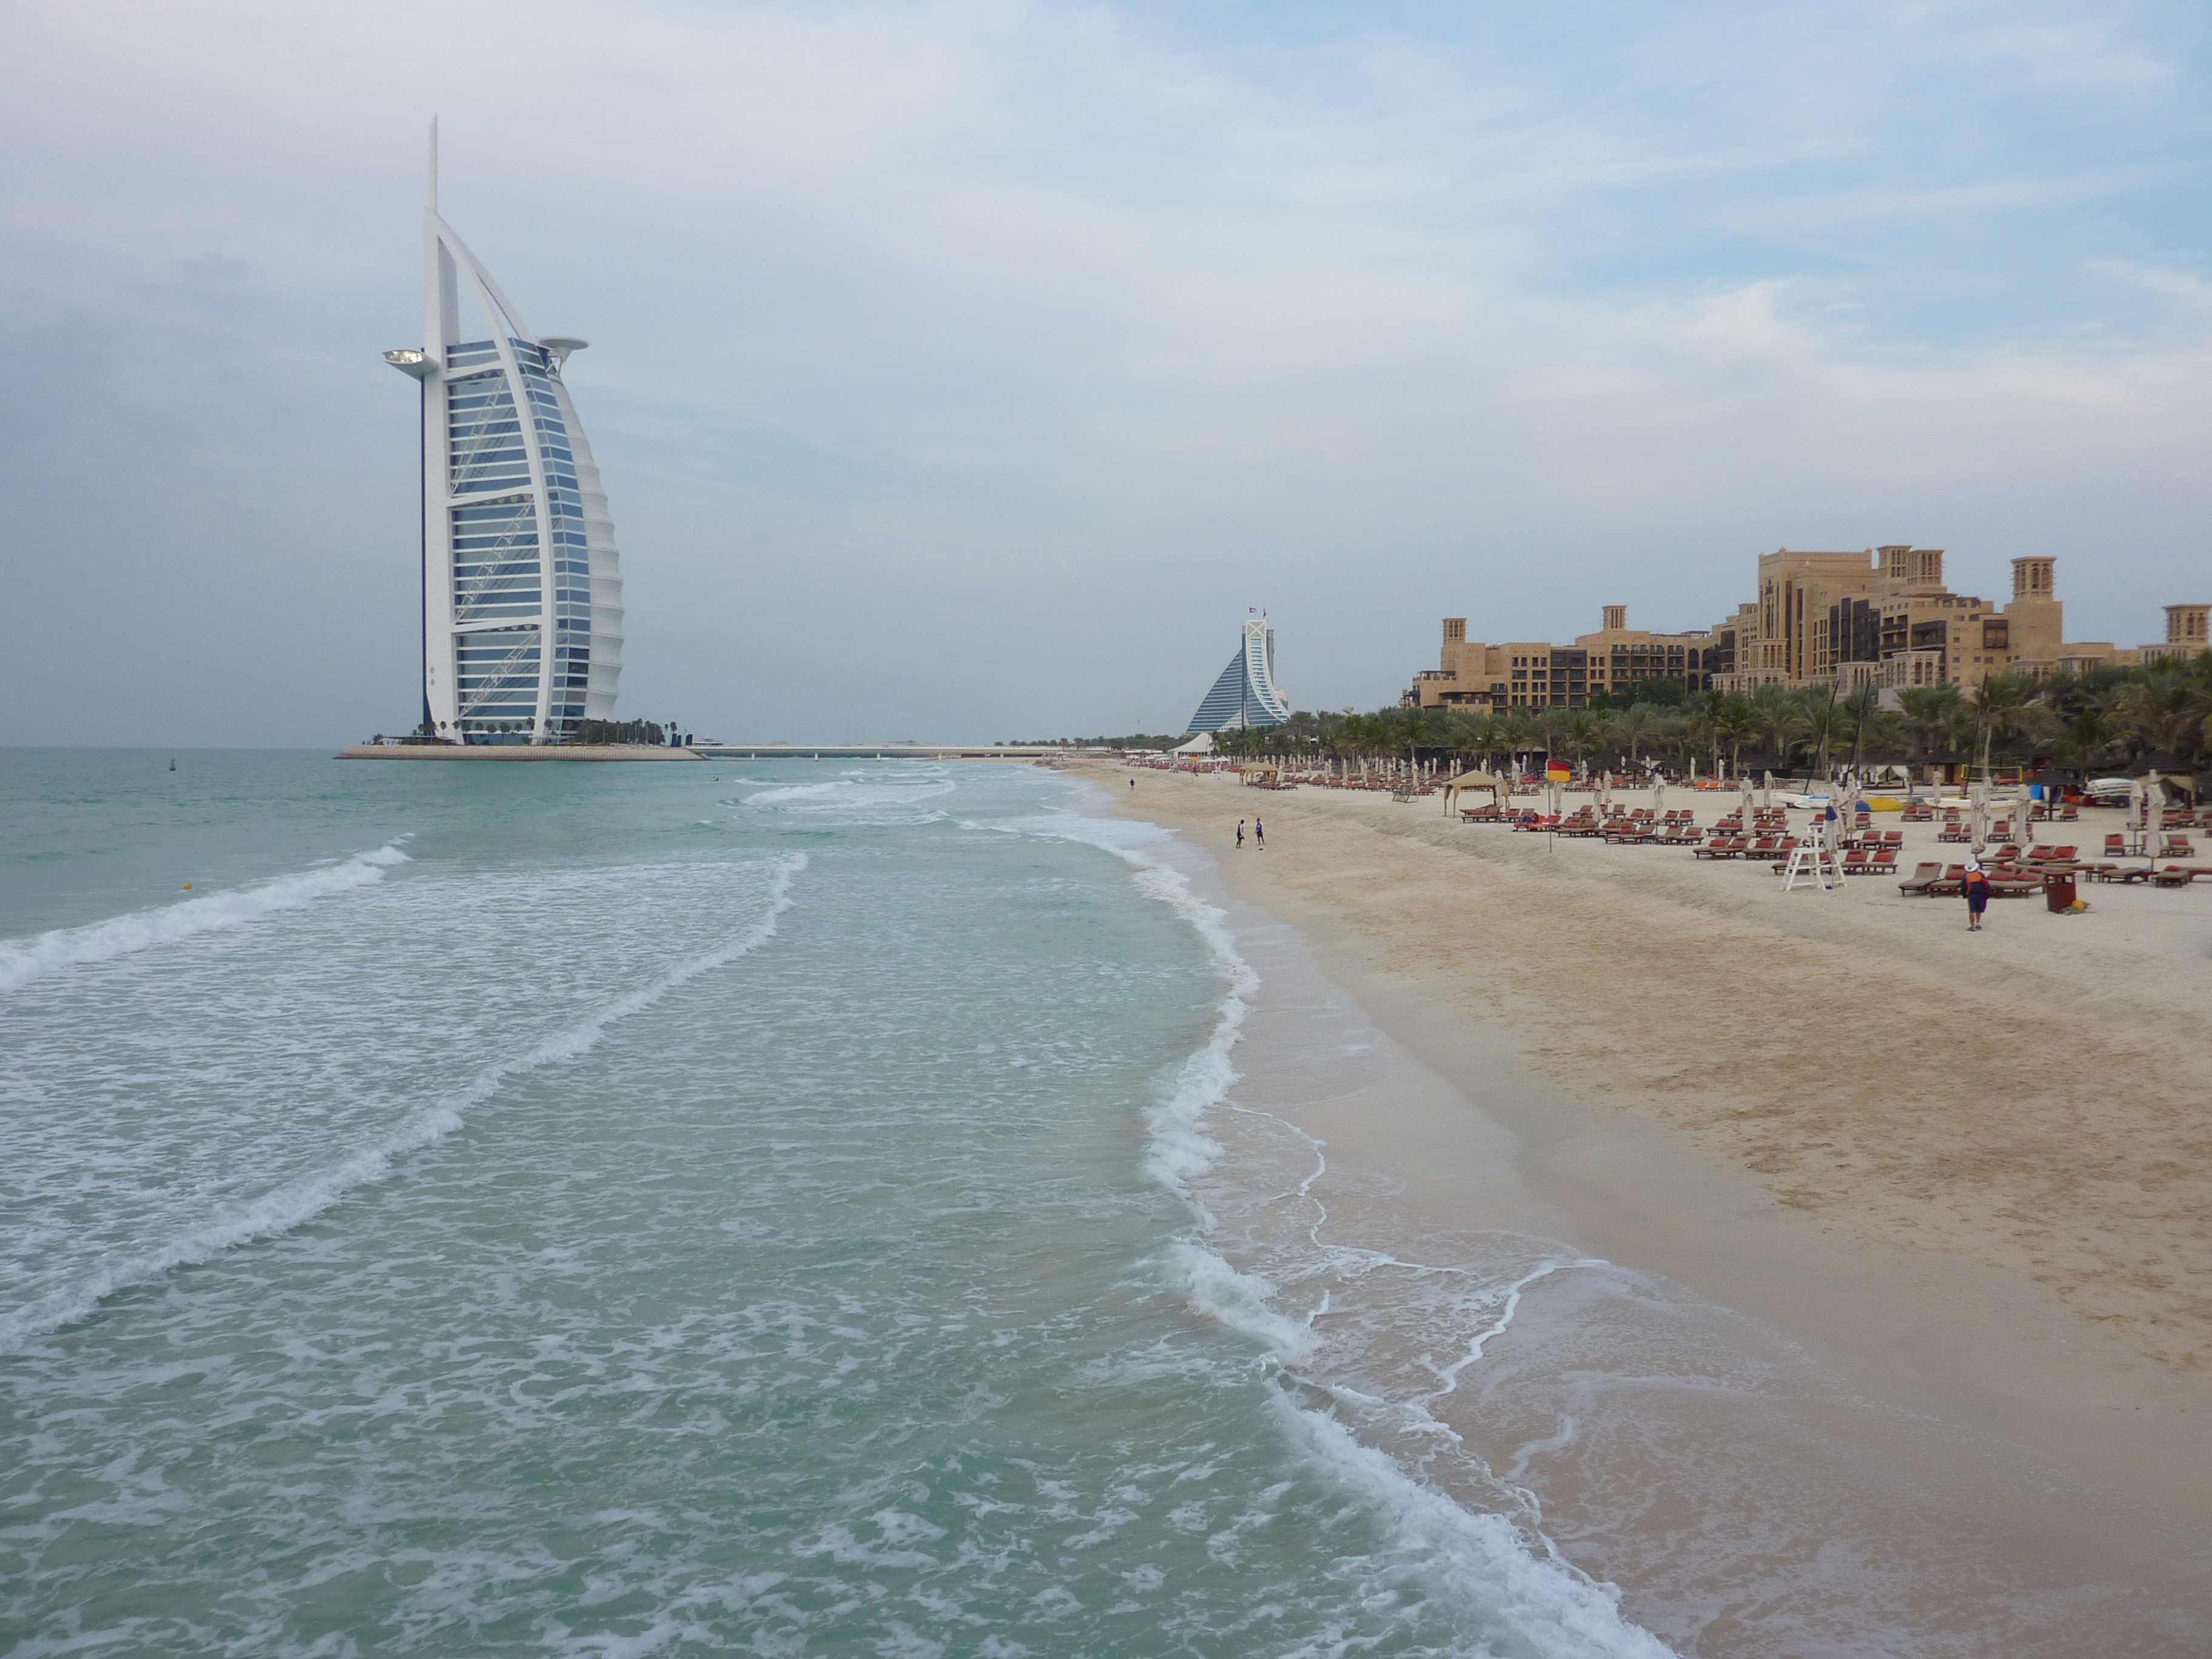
x,y
522,600
1244,695
519,546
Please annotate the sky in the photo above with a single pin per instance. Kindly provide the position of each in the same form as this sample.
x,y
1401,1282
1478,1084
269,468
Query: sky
x,y
964,371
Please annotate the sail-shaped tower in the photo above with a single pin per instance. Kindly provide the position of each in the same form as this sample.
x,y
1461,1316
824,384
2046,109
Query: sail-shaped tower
x,y
522,613
1245,694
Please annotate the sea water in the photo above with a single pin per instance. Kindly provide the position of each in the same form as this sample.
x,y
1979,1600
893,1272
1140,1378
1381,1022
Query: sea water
x,y
616,1210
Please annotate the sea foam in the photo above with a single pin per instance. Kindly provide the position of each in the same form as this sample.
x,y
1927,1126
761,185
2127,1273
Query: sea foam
x,y
24,960
1560,1612
301,1199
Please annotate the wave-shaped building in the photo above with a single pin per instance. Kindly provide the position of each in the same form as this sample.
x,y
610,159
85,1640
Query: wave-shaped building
x,y
522,613
1245,695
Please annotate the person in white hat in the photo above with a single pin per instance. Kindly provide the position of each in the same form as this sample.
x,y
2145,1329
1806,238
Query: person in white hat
x,y
1976,887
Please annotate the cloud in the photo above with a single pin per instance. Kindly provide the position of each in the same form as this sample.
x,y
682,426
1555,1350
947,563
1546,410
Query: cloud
x,y
982,361
2075,57
2192,293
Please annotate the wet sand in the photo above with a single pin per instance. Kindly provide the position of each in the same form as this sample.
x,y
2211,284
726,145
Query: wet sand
x,y
1973,1182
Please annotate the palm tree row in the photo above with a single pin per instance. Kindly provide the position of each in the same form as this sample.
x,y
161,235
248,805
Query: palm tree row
x,y
2127,718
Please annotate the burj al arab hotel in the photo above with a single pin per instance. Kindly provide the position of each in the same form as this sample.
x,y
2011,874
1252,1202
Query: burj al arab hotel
x,y
522,613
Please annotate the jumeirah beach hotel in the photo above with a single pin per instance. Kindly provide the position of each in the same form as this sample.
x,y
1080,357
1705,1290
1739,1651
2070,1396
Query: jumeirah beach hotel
x,y
1244,695
521,585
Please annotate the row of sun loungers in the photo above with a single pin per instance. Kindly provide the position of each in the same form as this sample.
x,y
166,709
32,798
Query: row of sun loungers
x,y
2013,873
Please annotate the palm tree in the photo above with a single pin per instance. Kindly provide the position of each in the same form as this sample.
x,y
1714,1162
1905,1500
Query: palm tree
x,y
1779,718
2078,743
1578,735
2166,706
1825,721
1734,726
1931,717
1862,706
1632,729
2000,708
1514,733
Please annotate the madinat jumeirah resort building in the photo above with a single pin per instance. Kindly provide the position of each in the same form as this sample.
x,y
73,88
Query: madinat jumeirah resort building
x,y
1880,617
1244,695
521,585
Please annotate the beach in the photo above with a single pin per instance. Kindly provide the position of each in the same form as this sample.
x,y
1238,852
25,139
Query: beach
x,y
1970,1171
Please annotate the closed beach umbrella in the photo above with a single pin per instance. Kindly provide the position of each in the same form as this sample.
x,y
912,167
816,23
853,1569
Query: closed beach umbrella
x,y
2138,803
1743,792
2153,809
1658,798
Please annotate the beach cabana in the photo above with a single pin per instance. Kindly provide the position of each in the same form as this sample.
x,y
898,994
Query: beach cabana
x,y
1500,789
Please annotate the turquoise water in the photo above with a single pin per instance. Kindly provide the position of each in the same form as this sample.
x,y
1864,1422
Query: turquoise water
x,y
660,1209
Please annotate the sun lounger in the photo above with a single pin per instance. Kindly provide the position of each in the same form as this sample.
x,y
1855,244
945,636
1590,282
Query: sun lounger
x,y
1729,847
1922,878
2175,875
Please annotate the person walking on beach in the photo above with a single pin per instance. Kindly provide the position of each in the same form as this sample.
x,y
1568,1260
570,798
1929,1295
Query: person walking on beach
x,y
1976,887
1259,834
1240,835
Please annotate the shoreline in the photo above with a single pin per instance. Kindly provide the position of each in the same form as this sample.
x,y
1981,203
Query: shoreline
x,y
1932,1325
515,751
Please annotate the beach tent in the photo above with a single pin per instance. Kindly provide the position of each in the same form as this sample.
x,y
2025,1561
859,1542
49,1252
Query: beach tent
x,y
1498,787
1201,744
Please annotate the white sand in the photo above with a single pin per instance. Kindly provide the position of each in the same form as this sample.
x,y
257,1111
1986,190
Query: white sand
x,y
1977,1167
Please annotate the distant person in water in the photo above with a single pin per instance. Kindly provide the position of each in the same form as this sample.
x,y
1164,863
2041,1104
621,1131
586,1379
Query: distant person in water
x,y
1976,887
1240,835
1259,834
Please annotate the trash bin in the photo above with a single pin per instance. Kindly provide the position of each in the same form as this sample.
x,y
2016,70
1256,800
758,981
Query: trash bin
x,y
2058,892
